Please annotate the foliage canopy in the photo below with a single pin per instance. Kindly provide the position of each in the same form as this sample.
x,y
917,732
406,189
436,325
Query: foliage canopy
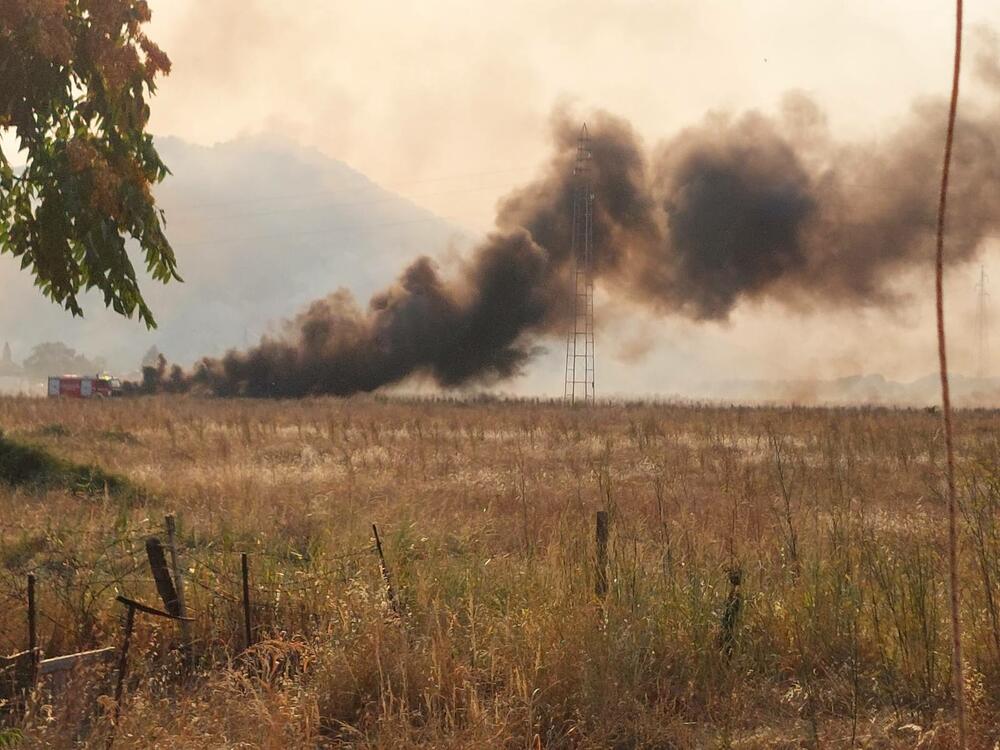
x,y
75,76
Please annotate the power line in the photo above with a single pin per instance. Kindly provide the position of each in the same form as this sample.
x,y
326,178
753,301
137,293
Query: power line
x,y
360,227
336,229
371,185
391,198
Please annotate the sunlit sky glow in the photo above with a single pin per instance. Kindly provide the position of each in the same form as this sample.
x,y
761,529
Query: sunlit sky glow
x,y
447,103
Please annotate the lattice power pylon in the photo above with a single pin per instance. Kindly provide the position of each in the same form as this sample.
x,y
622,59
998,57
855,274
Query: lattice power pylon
x,y
580,341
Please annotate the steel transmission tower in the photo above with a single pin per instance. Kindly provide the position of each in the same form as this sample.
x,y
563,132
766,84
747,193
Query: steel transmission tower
x,y
982,325
579,384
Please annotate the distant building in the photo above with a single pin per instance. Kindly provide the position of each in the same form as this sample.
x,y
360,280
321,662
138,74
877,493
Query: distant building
x,y
12,376
7,365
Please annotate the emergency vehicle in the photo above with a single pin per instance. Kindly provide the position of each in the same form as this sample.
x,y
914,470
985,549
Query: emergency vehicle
x,y
84,386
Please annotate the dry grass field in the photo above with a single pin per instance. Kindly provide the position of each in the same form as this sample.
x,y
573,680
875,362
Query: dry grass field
x,y
833,519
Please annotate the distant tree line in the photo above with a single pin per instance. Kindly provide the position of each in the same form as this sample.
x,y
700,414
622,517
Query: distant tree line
x,y
57,358
49,358
157,376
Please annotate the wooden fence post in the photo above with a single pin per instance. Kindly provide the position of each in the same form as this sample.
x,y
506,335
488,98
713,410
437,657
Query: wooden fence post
x,y
32,631
731,613
178,570
601,583
131,607
122,671
161,576
245,569
390,592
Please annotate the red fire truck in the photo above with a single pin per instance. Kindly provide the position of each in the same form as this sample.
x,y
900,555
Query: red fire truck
x,y
84,386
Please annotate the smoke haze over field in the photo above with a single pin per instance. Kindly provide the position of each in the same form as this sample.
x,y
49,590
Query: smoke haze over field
x,y
265,227
323,161
733,209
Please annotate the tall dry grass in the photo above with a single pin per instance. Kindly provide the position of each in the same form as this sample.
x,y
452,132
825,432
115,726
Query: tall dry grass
x,y
487,511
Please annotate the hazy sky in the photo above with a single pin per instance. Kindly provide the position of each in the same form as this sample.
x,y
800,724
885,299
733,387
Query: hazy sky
x,y
413,92
447,103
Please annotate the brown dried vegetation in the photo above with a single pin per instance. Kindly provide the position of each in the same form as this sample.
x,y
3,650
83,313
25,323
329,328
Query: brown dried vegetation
x,y
833,517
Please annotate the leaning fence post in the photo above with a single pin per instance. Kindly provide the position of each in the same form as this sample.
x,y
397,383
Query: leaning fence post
x,y
131,607
32,631
601,584
161,575
245,569
179,585
390,593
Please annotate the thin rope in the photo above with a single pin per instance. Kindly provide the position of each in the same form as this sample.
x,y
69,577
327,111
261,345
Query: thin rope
x,y
956,621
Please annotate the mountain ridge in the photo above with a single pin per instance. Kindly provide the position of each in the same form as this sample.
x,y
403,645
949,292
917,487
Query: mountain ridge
x,y
261,227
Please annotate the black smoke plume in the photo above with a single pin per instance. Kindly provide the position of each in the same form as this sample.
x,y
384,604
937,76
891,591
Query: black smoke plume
x,y
731,210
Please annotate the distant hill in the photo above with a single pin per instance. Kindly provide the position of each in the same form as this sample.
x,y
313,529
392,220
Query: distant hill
x,y
260,227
